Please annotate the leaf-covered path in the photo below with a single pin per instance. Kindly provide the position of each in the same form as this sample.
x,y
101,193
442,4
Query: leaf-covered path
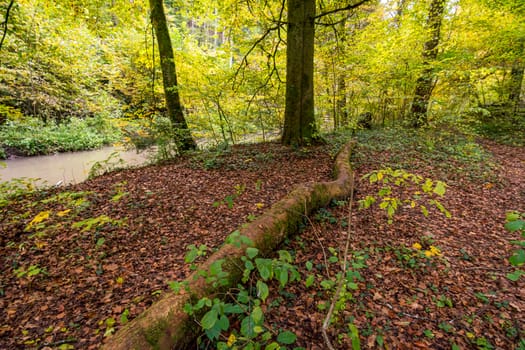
x,y
402,299
108,247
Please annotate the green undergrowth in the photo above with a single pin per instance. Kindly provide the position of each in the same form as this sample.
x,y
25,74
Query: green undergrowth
x,y
446,153
33,137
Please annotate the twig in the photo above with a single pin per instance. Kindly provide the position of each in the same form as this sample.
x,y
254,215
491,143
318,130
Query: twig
x,y
329,315
348,7
314,228
57,343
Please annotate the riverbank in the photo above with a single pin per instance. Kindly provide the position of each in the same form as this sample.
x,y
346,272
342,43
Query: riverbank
x,y
31,136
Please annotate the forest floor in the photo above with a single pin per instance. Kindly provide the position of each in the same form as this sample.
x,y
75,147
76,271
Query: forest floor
x,y
77,263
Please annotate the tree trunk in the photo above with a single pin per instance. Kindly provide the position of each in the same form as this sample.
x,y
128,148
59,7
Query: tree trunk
x,y
169,77
299,120
425,82
516,77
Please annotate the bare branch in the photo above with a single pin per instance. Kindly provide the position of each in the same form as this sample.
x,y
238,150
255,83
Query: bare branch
x,y
5,22
346,8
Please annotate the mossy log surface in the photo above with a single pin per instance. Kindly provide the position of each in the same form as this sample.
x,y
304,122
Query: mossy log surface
x,y
165,325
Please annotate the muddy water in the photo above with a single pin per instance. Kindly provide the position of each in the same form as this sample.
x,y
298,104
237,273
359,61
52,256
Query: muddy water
x,y
66,167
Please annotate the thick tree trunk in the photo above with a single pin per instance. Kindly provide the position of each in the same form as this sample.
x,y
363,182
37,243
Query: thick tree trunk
x,y
169,77
299,119
425,82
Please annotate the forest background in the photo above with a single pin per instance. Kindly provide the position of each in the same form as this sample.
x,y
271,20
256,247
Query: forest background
x,y
87,73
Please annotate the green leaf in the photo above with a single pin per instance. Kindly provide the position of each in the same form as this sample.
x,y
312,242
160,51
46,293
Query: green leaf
x,y
309,265
252,252
283,276
309,280
352,286
516,225
209,319
354,335
514,276
247,325
518,257
272,346
257,315
285,256
264,266
286,337
233,309
440,188
216,267
512,216
262,290
223,323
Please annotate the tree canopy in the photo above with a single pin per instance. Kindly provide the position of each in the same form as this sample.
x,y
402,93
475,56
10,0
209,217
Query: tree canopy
x,y
93,58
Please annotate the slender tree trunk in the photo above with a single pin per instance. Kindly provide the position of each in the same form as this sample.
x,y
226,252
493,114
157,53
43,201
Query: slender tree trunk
x,y
169,77
516,77
425,82
6,21
299,120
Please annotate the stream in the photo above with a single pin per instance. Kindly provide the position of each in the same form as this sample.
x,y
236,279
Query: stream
x,y
66,168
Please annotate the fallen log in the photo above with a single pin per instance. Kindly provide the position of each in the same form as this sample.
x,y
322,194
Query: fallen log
x,y
165,325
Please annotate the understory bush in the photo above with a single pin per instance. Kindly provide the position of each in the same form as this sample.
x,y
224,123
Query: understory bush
x,y
32,137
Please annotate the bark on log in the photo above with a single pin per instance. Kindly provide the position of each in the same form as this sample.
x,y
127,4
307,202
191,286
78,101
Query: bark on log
x,y
165,325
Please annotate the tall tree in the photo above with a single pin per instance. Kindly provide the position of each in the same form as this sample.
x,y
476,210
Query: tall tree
x,y
169,77
299,119
425,82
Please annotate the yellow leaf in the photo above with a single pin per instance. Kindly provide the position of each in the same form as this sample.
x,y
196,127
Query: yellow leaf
x,y
259,205
231,340
416,246
63,212
39,218
40,244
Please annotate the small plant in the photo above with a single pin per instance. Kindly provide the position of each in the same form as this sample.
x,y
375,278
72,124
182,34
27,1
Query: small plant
x,y
111,163
95,223
391,179
516,223
245,303
228,200
119,191
31,271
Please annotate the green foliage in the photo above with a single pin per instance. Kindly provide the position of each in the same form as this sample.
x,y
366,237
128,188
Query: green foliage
x,y
33,137
450,154
516,223
243,303
390,179
14,188
31,271
228,200
90,224
111,163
